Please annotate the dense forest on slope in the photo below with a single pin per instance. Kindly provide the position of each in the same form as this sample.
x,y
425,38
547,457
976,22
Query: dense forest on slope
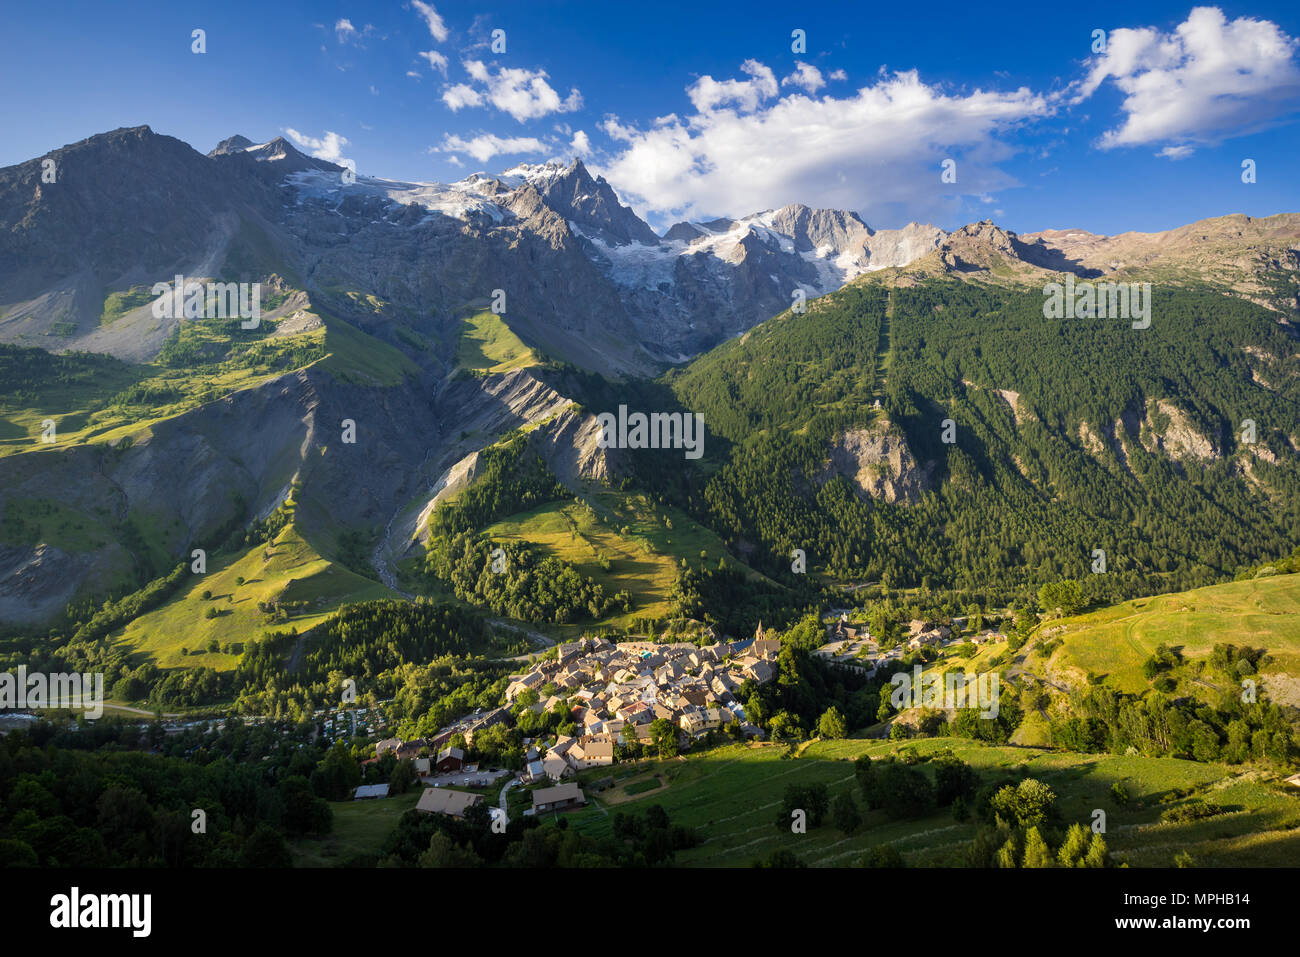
x,y
82,798
1020,498
509,480
378,645
510,578
514,579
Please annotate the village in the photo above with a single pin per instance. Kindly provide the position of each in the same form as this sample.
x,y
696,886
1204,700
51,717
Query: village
x,y
853,645
616,694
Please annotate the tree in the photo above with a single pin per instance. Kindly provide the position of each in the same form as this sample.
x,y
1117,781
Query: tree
x,y
886,710
954,779
1037,853
983,851
900,790
882,855
1008,856
1098,855
265,847
1119,794
337,774
304,812
17,853
813,800
403,777
664,734
444,852
862,770
784,727
1065,596
831,725
781,858
1027,804
845,814
1074,848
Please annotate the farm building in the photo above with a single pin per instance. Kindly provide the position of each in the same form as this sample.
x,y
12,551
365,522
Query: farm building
x,y
450,759
446,801
559,798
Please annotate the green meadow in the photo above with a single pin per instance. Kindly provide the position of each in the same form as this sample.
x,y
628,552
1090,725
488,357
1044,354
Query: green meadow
x,y
1115,641
288,570
731,795
643,544
360,828
487,344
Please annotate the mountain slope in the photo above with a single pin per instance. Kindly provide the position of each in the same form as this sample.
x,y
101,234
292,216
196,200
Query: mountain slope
x,y
944,433
366,286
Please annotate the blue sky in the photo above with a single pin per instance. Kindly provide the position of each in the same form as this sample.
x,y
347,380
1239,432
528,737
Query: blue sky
x,y
696,110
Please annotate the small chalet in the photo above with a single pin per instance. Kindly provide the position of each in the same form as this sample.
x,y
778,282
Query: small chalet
x,y
450,760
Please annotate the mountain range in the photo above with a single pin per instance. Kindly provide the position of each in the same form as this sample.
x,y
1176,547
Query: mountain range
x,y
173,435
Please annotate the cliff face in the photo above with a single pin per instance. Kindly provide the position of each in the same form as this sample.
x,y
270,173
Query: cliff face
x,y
879,463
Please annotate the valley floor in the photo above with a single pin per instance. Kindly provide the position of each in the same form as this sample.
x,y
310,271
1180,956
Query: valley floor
x,y
730,796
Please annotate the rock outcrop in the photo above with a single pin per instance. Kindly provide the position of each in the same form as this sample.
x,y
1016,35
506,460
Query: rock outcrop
x,y
879,463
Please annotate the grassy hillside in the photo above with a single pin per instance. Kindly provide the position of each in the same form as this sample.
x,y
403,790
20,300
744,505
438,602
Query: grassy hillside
x,y
731,795
487,344
1115,641
360,828
357,358
287,570
95,398
642,544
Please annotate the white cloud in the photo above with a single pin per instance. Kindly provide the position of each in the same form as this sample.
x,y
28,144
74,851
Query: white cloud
x,y
1206,81
837,75
345,32
486,145
707,94
878,151
460,96
806,77
329,147
580,144
414,73
437,28
524,94
436,60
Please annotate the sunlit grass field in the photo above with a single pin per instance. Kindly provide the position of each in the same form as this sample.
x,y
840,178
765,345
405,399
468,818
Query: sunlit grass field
x,y
731,796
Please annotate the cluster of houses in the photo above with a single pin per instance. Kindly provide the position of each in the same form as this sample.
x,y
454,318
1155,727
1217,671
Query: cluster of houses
x,y
453,803
340,724
922,633
853,646
435,755
419,752
615,692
